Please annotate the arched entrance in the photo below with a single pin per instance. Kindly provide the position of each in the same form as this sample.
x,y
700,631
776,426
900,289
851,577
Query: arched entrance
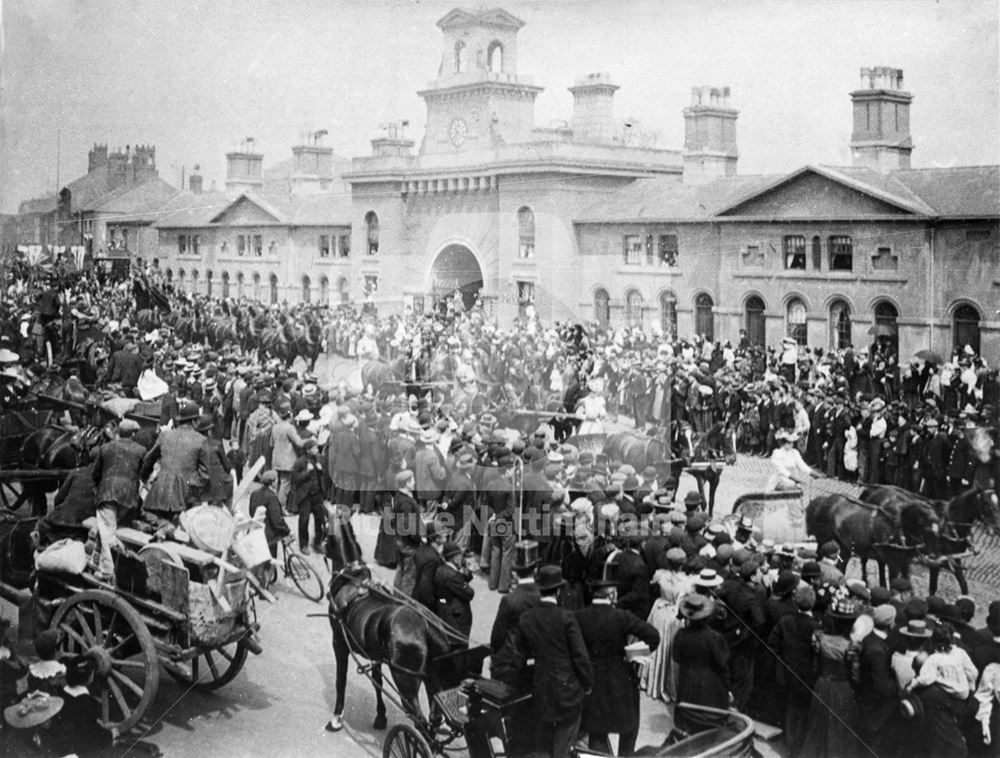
x,y
966,327
885,328
756,332
456,268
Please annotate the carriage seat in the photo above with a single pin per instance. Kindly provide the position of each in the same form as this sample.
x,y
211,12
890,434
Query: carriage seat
x,y
766,497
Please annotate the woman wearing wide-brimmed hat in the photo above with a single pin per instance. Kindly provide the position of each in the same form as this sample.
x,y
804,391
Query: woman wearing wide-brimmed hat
x,y
660,675
702,659
832,721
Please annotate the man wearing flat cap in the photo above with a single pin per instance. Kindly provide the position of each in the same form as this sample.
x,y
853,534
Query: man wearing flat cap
x,y
116,475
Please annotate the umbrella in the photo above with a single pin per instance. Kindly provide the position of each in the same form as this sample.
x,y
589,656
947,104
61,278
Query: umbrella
x,y
929,356
882,330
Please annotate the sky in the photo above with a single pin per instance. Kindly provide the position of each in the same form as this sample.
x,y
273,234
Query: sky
x,y
194,77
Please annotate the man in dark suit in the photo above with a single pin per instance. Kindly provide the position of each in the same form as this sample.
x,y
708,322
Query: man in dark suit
x,y
934,463
454,593
633,575
790,642
563,674
116,474
878,694
522,598
426,561
613,707
126,367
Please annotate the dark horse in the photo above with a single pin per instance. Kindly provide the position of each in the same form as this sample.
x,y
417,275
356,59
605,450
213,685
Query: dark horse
x,y
54,448
890,533
957,517
705,455
367,620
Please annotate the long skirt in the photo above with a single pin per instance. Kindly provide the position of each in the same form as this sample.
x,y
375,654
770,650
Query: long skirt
x,y
659,676
831,725
386,552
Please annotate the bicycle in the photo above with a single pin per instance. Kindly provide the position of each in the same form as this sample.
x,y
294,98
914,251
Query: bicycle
x,y
295,565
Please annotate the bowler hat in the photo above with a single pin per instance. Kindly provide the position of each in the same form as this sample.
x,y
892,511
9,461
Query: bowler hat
x,y
693,500
696,607
450,550
786,583
549,578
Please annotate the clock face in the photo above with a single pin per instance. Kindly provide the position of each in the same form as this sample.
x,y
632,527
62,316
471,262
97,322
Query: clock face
x,y
458,131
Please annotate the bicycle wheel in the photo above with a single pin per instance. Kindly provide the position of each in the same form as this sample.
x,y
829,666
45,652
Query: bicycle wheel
x,y
305,577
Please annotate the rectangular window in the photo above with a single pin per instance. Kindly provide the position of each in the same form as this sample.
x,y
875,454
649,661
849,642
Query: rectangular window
x,y
241,245
526,246
258,245
884,260
344,245
668,250
196,245
371,285
841,254
795,252
324,246
633,250
525,296
753,257
181,244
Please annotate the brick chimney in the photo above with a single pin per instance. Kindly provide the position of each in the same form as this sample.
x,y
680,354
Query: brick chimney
x,y
313,168
709,135
881,137
195,181
244,169
593,108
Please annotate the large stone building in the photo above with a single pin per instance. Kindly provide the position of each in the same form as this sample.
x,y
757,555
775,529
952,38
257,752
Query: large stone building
x,y
588,220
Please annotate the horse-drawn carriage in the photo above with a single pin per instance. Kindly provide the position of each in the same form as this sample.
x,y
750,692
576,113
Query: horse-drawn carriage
x,y
171,604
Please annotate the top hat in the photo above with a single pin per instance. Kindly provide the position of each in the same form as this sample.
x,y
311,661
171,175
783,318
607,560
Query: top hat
x,y
609,576
525,555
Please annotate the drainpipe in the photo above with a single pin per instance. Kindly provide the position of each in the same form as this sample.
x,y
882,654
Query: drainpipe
x,y
930,288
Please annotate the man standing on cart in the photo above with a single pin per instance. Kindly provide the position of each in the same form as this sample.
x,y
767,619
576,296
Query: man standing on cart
x,y
116,475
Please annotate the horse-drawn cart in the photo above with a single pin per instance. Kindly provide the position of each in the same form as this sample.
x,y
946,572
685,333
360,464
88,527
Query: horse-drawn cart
x,y
171,604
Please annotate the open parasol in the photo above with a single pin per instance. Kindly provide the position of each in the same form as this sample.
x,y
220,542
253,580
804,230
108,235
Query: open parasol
x,y
881,330
929,356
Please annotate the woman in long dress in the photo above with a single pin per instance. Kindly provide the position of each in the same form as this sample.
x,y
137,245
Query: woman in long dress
x,y
702,658
592,409
659,677
831,726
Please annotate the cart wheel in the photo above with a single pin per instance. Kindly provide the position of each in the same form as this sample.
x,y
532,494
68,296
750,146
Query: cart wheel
x,y
404,741
306,578
213,668
128,669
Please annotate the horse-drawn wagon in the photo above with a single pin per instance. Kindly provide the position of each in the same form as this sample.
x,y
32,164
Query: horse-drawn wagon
x,y
171,605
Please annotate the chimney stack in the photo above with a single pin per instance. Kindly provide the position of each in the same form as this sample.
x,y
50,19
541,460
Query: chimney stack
x,y
593,108
313,170
195,181
709,135
881,137
393,142
244,169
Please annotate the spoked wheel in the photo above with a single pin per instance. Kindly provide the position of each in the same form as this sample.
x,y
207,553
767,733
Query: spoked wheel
x,y
306,578
404,741
127,668
213,668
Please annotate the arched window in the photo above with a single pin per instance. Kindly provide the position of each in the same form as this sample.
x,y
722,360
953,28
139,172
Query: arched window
x,y
343,290
324,291
840,325
668,315
494,57
817,253
756,332
306,289
256,286
966,327
194,280
526,233
273,289
795,321
180,277
225,284
602,308
169,274
704,319
208,282
633,309
461,57
239,284
885,328
371,230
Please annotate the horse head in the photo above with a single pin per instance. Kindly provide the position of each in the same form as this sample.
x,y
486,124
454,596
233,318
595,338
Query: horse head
x,y
920,523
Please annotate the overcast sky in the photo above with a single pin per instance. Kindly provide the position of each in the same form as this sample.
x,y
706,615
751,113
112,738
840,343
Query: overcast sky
x,y
193,77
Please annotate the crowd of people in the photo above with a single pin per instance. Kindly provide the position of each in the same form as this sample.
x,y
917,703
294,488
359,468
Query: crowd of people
x,y
587,551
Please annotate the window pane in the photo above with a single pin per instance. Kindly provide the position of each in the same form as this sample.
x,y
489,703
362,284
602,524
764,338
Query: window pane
x,y
345,245
324,246
258,245
841,254
795,252
241,245
633,249
668,250
797,321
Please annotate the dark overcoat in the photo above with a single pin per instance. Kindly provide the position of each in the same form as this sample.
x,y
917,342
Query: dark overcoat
x,y
116,473
183,475
454,595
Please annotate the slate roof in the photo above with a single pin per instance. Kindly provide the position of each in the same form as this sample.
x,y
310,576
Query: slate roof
x,y
138,204
189,209
940,193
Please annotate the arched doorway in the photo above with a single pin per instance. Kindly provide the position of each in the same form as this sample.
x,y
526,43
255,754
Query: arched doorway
x,y
225,284
602,308
324,291
256,286
343,291
208,283
795,321
965,330
756,332
885,329
456,268
704,321
840,325
239,284
633,310
306,290
273,289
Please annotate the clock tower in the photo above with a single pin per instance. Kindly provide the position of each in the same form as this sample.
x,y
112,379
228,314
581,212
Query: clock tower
x,y
478,101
